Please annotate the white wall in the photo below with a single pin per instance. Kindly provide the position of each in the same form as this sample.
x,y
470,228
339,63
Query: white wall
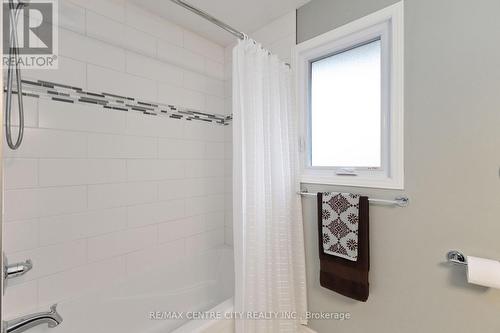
x,y
279,38
94,195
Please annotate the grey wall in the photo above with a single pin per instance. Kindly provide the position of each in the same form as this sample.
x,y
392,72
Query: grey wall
x,y
452,148
320,16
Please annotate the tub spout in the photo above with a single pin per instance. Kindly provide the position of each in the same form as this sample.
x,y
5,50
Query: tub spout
x,y
52,318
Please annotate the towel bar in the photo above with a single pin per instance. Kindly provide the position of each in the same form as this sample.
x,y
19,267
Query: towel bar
x,y
399,201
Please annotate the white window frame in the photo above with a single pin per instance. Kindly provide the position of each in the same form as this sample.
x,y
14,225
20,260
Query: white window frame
x,y
386,25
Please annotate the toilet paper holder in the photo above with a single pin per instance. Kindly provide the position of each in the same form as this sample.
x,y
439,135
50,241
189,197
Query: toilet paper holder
x,y
456,257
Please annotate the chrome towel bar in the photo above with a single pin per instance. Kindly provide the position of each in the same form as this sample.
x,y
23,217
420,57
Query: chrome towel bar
x,y
399,201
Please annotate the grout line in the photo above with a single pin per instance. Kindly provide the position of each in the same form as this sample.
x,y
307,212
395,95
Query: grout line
x,y
122,257
124,206
125,181
125,133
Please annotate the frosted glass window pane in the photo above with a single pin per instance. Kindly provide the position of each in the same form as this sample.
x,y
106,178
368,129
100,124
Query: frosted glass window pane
x,y
346,108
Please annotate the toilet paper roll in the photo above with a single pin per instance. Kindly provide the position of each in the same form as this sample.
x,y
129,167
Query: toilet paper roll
x,y
483,272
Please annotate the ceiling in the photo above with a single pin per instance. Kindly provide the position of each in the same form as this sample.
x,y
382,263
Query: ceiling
x,y
243,15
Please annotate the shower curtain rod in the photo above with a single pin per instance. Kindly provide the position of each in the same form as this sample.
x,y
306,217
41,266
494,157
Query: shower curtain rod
x,y
207,16
210,18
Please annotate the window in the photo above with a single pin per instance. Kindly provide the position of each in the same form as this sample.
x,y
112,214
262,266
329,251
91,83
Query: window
x,y
350,98
346,108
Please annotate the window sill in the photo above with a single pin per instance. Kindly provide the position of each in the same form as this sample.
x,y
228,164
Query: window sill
x,y
395,183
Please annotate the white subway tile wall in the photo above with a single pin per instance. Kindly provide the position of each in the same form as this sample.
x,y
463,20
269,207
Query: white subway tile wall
x,y
116,192
77,196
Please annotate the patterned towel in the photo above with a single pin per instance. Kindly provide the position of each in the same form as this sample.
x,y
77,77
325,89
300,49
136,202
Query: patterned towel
x,y
344,244
340,218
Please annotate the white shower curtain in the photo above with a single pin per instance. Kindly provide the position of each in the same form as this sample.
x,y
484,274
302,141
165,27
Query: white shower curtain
x,y
268,233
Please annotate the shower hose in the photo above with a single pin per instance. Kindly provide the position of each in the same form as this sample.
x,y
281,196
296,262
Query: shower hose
x,y
14,12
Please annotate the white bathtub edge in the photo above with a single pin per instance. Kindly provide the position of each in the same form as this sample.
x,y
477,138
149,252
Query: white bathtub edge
x,y
199,326
306,329
219,326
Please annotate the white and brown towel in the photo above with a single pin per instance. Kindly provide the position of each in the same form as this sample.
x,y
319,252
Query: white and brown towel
x,y
344,249
340,224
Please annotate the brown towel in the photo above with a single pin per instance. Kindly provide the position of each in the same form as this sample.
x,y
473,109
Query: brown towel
x,y
346,277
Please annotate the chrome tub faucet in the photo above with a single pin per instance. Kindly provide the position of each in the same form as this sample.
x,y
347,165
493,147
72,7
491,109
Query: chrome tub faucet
x,y
52,318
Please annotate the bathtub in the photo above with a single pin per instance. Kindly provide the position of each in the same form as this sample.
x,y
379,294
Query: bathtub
x,y
202,283
148,302
211,325
221,325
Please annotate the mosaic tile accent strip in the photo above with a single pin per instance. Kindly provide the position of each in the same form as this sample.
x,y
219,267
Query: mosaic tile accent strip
x,y
68,94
